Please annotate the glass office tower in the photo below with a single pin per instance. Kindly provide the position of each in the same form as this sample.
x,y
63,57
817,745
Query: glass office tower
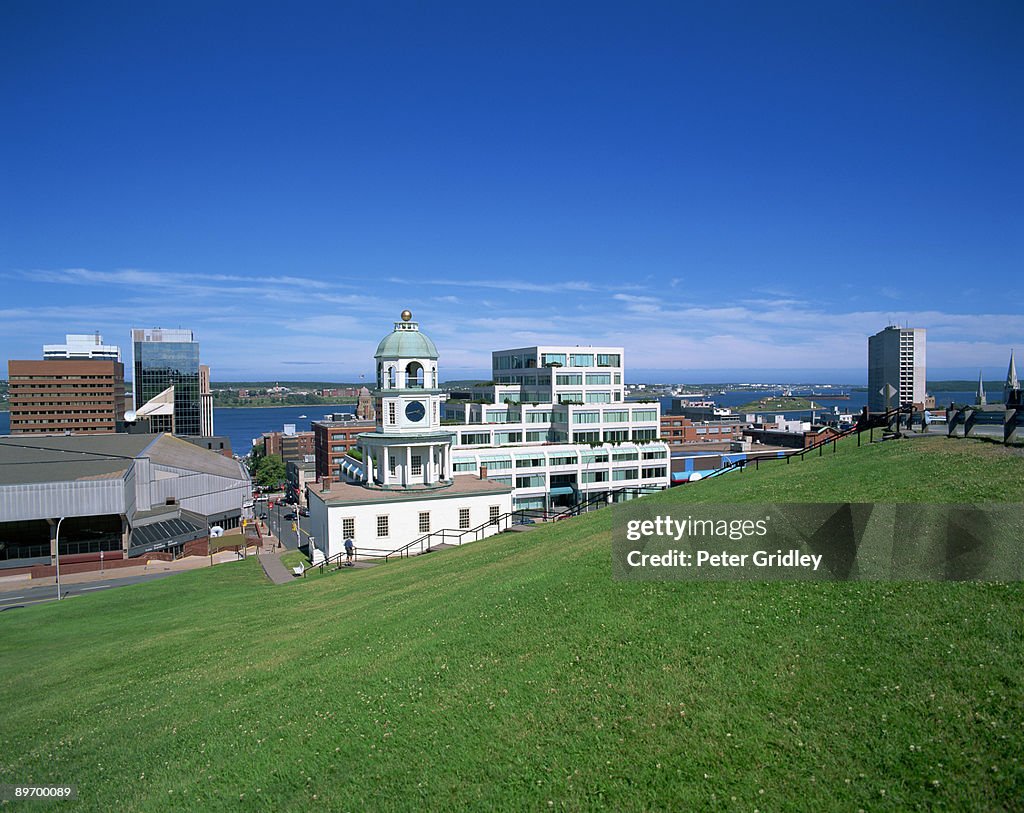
x,y
164,358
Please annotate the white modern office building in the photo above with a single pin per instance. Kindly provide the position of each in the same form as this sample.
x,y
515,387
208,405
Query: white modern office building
x,y
896,365
82,346
554,425
404,489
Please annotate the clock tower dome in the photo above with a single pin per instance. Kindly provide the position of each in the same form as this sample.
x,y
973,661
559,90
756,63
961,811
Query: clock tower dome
x,y
407,448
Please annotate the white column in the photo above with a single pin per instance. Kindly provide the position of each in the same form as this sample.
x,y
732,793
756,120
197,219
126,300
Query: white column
x,y
407,480
385,468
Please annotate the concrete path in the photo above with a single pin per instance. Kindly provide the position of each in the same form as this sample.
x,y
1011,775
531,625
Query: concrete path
x,y
275,571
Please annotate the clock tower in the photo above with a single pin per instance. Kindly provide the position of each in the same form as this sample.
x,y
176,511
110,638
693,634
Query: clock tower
x,y
408,449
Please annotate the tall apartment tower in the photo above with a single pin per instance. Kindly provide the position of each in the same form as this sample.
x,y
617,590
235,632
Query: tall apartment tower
x,y
170,358
896,357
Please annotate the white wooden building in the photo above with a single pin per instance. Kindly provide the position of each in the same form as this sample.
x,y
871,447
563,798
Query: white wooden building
x,y
407,491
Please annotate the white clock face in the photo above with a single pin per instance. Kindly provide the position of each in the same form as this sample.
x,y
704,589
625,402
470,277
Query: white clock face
x,y
415,411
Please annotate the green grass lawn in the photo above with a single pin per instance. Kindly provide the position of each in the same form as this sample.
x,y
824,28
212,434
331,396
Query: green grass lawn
x,y
294,558
515,673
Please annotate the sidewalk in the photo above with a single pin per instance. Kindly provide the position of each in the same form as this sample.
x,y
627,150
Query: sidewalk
x,y
270,559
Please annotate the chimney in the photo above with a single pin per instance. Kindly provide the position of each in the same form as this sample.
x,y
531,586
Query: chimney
x,y
483,472
325,484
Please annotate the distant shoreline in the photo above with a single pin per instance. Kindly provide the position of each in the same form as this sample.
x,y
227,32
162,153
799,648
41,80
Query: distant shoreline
x,y
283,406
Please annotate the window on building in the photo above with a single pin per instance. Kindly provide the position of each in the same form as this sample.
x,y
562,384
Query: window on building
x,y
465,465
653,471
592,436
424,522
609,360
570,398
625,474
494,513
570,379
616,435
616,416
463,518
563,460
645,414
475,438
348,528
391,412
392,464
581,360
645,434
595,477
383,526
599,378
531,481
417,465
503,438
599,397
586,417
553,358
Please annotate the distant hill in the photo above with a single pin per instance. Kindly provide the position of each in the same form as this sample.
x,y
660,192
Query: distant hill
x,y
292,385
964,386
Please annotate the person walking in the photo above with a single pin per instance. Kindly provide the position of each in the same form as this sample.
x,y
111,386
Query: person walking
x,y
350,548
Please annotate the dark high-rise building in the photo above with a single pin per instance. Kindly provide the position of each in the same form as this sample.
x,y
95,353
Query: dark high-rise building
x,y
896,368
168,358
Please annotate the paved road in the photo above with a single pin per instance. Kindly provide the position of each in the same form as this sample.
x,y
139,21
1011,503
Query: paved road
x,y
276,520
38,593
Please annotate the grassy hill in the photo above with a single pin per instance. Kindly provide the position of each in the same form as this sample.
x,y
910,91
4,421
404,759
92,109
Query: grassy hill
x,y
515,673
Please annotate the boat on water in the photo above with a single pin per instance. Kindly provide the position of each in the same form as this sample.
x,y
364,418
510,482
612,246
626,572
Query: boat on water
x,y
302,416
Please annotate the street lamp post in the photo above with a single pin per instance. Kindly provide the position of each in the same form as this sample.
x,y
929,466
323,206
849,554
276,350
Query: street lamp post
x,y
57,552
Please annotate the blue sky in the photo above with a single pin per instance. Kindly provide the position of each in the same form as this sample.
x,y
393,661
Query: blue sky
x,y
728,190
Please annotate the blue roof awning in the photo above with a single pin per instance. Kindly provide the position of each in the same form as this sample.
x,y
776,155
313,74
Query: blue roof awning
x,y
562,490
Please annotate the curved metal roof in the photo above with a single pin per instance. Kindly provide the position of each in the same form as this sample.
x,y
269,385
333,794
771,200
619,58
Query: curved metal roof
x,y
406,343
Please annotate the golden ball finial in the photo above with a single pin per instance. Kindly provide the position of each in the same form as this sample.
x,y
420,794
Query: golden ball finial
x,y
406,315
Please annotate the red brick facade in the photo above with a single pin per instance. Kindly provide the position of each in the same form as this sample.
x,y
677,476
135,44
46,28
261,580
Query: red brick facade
x,y
681,432
332,439
82,396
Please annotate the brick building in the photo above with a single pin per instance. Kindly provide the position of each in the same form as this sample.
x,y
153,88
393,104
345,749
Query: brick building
x,y
57,396
331,440
680,432
290,446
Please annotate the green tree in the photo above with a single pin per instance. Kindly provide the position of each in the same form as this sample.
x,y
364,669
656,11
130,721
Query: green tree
x,y
257,453
270,471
